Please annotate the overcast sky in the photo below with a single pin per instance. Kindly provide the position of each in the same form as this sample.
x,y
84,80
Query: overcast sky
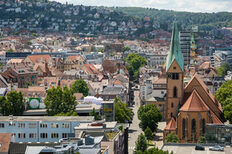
x,y
179,5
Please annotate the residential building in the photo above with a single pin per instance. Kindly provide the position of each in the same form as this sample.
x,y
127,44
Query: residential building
x,y
40,129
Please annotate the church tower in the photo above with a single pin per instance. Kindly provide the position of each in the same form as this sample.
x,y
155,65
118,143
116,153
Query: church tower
x,y
175,76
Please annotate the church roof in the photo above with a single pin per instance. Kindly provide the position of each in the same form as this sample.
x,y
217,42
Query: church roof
x,y
175,50
171,125
194,103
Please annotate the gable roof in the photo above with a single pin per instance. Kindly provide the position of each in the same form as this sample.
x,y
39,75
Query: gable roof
x,y
38,58
5,139
171,125
175,50
194,103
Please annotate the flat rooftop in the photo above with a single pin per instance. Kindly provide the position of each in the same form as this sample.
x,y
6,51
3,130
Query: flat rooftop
x,y
47,118
86,126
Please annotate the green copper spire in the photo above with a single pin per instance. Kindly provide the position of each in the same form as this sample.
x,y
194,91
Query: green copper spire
x,y
193,43
175,50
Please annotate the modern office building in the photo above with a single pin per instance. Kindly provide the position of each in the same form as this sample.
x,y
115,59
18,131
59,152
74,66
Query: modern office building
x,y
185,38
41,129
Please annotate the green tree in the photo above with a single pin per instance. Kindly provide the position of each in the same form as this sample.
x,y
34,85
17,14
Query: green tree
x,y
141,143
80,86
122,113
135,63
227,109
149,116
10,50
96,115
13,104
59,101
171,138
224,92
70,113
222,70
148,133
125,49
100,50
201,139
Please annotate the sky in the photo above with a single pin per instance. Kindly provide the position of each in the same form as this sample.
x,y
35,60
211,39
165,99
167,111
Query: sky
x,y
178,5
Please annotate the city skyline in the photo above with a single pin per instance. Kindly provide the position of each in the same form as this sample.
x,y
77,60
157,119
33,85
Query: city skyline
x,y
178,5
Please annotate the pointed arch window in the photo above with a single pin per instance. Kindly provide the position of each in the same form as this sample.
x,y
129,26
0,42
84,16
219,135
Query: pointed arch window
x,y
193,130
183,128
175,92
203,126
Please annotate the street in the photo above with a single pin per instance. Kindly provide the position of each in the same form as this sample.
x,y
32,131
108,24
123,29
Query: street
x,y
134,129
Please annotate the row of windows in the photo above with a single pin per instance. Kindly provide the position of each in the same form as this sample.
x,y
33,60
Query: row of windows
x,y
42,135
34,125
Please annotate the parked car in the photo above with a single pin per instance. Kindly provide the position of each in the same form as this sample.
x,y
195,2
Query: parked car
x,y
199,147
216,148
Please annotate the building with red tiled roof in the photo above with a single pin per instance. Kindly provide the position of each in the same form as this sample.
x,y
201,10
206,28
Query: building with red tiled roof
x,y
73,62
5,140
190,107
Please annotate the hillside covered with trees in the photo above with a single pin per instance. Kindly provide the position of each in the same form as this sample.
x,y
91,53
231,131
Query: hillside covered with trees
x,y
205,21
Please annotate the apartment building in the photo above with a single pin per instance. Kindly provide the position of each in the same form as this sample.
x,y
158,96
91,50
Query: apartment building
x,y
40,129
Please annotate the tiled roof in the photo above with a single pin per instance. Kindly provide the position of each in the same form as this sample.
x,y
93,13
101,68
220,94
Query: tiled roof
x,y
5,139
194,103
171,125
38,58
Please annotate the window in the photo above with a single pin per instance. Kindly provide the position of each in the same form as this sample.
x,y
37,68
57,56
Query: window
x,y
54,135
203,126
174,67
11,124
172,105
21,125
171,114
175,76
43,135
43,125
32,125
65,125
32,135
183,128
64,135
193,131
174,92
21,135
54,125
162,92
2,125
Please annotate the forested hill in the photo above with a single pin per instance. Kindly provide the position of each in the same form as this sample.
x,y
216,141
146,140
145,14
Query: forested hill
x,y
205,21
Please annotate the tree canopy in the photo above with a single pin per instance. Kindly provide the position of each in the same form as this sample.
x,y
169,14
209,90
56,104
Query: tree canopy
x,y
171,138
96,115
148,133
122,113
13,104
59,101
141,143
224,96
135,62
222,70
80,86
149,116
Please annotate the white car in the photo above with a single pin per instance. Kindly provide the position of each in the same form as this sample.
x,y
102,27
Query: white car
x,y
216,148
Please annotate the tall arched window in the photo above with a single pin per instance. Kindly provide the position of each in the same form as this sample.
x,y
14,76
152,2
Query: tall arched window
x,y
193,130
203,126
183,128
175,92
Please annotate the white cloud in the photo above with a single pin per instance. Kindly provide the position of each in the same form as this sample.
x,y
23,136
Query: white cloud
x,y
179,5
